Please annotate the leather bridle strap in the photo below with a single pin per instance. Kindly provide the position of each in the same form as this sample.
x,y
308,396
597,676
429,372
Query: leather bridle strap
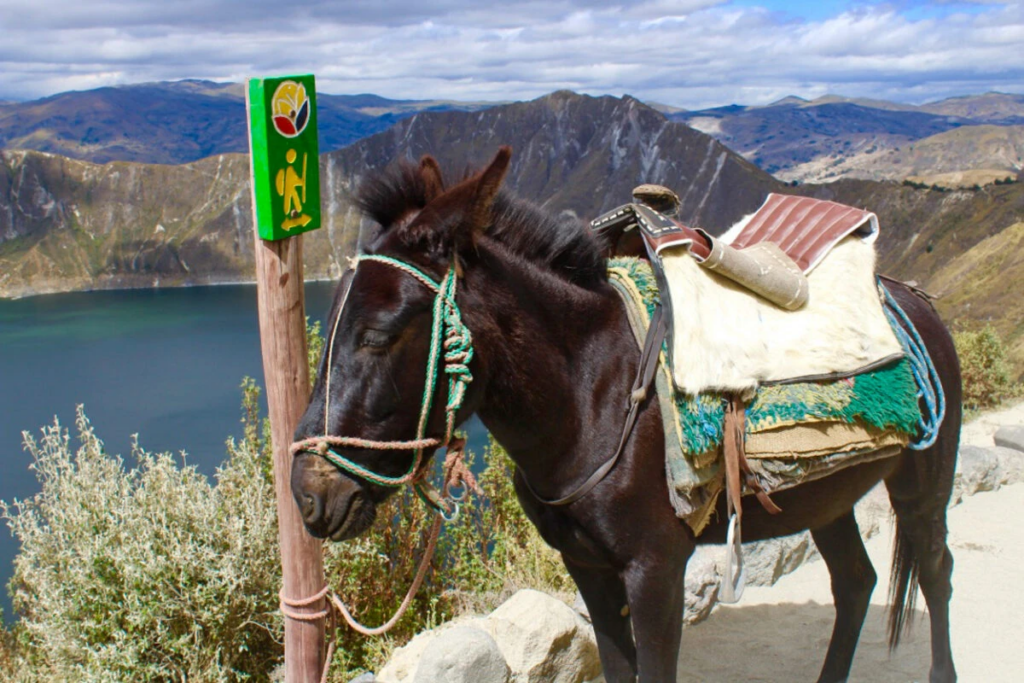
x,y
638,394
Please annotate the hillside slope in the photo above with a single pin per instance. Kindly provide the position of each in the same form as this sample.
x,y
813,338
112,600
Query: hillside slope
x,y
991,107
68,224
963,246
836,137
582,154
783,137
988,147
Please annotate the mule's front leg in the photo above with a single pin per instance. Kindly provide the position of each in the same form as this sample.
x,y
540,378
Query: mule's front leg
x,y
655,589
605,595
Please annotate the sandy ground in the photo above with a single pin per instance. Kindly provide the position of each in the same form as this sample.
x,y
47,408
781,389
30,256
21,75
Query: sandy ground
x,y
979,432
780,634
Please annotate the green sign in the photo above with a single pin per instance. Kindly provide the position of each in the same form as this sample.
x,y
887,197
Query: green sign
x,y
284,152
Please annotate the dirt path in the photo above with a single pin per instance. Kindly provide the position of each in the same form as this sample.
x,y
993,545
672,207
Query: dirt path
x,y
780,634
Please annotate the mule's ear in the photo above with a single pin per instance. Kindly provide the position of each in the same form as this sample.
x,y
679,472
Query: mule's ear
x,y
433,181
487,185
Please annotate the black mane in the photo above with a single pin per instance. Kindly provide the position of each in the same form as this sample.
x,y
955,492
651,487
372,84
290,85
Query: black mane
x,y
561,245
388,196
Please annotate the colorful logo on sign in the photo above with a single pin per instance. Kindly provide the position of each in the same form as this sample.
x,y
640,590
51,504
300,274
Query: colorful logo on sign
x,y
290,109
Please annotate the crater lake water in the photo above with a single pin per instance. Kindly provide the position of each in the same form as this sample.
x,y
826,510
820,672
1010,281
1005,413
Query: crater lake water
x,y
165,364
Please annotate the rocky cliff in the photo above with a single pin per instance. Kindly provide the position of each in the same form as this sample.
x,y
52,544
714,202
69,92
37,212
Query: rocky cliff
x,y
72,225
67,224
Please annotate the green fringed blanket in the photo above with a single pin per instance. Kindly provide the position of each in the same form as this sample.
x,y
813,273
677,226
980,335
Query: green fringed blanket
x,y
881,401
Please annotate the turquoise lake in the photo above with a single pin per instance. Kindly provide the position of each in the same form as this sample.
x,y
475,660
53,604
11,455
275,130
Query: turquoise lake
x,y
165,364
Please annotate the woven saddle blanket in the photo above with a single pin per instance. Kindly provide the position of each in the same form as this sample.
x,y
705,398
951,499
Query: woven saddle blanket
x,y
795,432
726,338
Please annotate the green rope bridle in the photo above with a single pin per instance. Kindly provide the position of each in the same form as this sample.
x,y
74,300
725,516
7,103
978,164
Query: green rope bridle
x,y
451,344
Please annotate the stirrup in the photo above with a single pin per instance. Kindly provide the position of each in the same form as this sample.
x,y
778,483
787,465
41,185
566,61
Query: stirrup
x,y
734,580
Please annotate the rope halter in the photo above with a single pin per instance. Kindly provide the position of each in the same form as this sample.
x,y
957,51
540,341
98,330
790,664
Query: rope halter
x,y
451,345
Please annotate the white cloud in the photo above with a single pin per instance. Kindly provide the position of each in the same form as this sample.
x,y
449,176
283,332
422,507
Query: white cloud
x,y
690,53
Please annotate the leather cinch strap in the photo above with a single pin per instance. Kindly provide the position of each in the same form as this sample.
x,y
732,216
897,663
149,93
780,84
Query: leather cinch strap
x,y
638,394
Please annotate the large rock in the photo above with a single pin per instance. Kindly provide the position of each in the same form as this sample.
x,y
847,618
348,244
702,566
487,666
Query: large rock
x,y
1011,464
977,470
768,561
1010,437
703,579
543,640
463,654
986,469
401,668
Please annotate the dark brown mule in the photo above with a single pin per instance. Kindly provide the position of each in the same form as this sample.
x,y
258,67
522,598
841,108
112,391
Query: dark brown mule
x,y
554,363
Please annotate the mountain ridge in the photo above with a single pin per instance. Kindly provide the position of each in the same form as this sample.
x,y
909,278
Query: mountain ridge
x,y
67,224
181,121
835,136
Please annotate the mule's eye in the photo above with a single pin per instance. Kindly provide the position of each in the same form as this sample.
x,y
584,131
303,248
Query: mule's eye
x,y
375,339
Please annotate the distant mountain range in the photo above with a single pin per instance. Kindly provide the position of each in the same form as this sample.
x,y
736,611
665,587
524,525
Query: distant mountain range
x,y
819,140
69,224
182,121
834,137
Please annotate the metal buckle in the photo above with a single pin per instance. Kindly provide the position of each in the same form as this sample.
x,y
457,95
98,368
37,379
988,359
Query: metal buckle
x,y
461,497
450,517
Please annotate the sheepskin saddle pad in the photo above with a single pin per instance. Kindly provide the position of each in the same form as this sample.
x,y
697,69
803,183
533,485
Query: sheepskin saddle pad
x,y
794,432
726,338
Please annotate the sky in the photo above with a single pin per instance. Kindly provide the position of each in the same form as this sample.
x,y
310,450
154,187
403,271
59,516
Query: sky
x,y
686,53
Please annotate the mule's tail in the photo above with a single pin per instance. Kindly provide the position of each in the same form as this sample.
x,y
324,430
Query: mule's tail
x,y
902,587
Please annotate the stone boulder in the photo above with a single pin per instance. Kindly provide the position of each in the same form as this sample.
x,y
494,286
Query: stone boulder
x,y
977,471
401,668
543,640
768,561
580,607
703,579
1010,437
463,654
538,638
982,468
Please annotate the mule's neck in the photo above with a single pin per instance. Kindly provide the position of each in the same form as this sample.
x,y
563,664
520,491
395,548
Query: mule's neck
x,y
560,361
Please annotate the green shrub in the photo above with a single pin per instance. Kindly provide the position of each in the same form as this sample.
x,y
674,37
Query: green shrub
x,y
984,367
152,573
143,573
490,551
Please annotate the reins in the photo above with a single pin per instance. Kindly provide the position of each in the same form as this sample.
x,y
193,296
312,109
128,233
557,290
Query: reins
x,y
451,346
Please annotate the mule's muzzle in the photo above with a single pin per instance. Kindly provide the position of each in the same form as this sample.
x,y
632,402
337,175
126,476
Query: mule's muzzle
x,y
332,505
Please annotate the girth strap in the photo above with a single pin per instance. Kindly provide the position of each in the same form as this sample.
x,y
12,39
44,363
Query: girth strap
x,y
638,394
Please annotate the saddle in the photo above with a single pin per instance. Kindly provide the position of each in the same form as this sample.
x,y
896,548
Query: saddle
x,y
788,295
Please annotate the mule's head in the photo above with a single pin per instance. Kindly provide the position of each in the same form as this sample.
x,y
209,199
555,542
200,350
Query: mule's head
x,y
378,342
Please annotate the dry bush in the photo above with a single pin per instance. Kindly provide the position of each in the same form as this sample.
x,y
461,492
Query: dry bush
x,y
153,573
490,551
984,367
146,572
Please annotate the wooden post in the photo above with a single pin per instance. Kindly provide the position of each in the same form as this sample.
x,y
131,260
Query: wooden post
x,y
286,372
286,202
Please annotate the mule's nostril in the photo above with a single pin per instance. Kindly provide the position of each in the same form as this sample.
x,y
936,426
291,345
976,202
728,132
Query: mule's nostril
x,y
312,508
